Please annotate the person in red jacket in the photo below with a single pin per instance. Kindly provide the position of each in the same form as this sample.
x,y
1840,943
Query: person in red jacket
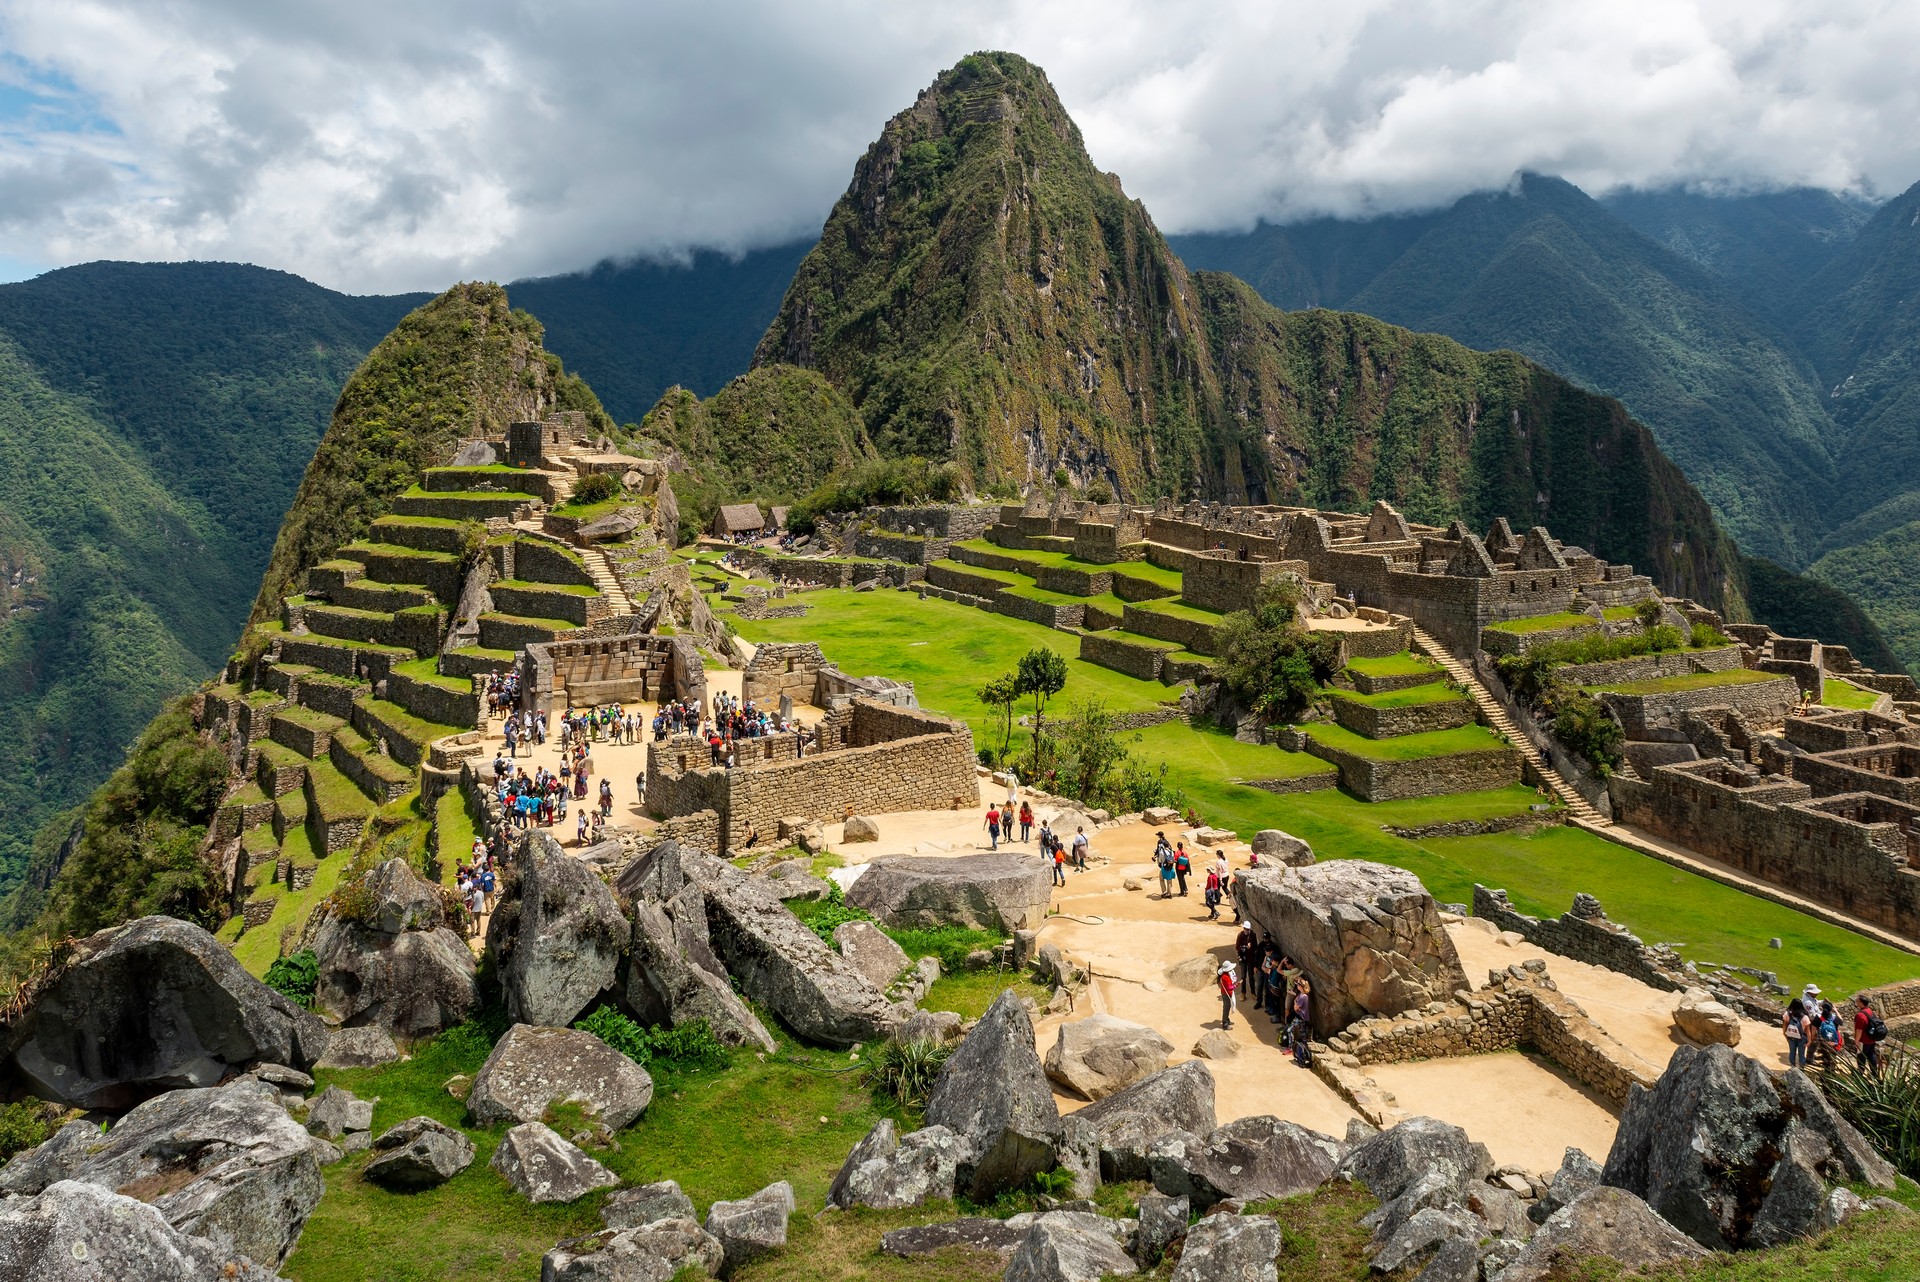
x,y
1868,1032
1227,986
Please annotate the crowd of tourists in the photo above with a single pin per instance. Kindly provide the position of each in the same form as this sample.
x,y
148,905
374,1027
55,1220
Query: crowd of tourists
x,y
476,883
1818,1032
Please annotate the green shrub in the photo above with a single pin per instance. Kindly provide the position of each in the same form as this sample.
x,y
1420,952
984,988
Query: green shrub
x,y
881,482
596,487
1273,666
905,1071
1883,1107
23,1125
295,976
822,915
947,944
1704,636
687,1046
473,1039
1584,725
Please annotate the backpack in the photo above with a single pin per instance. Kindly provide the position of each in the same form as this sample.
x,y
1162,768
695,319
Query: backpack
x,y
1829,1031
1876,1029
1181,863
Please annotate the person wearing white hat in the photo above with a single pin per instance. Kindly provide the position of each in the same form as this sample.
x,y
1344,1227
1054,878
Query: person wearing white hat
x,y
1227,985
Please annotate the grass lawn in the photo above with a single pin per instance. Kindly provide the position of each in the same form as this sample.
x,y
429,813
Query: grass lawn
x,y
1145,571
453,828
427,672
1620,613
1406,747
257,948
1190,750
1404,664
1008,577
1544,623
1835,693
1179,610
969,993
1410,697
527,585
1688,681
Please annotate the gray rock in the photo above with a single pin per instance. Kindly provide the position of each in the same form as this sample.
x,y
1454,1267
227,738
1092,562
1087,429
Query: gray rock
x,y
654,1252
888,1172
781,964
1705,1145
474,454
753,1226
1069,1247
151,1006
558,944
292,1084
1389,1164
996,892
542,1167
1277,847
1601,1222
531,1069
1424,1231
1102,1055
1431,1190
993,1094
938,1026
1368,935
398,967
1195,974
335,1111
971,1233
1216,1044
859,828
1457,1260
1576,1175
794,880
1228,1248
1179,1099
1705,1019
365,1047
871,952
74,1231
674,976
419,1153
1501,1210
1078,1154
226,1163
1163,1221
646,1204
1249,1158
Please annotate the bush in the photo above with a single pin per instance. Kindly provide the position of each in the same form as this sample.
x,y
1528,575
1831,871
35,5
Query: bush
x,y
1884,1108
1100,492
23,1125
822,915
905,1071
687,1046
1584,725
596,487
295,976
1273,666
881,482
1704,636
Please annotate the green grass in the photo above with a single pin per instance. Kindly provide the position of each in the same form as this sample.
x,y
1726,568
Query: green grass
x,y
1190,748
1835,693
476,469
257,949
1544,623
454,827
334,795
1687,681
483,496
1404,664
1007,577
1620,613
1045,597
417,522
365,548
1145,571
1410,697
1406,747
427,672
415,729
309,719
593,511
569,589
251,793
1179,610
969,993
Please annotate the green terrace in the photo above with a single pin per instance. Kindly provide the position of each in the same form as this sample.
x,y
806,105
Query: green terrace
x,y
1410,697
1687,681
427,671
594,511
1145,571
476,496
364,548
529,585
1179,610
1543,623
1406,747
1620,613
334,795
416,730
1404,664
1835,693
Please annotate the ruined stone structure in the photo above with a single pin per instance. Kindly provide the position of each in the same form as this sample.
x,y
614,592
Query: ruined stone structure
x,y
620,664
800,672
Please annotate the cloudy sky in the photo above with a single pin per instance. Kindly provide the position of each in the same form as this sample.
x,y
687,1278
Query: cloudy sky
x,y
408,143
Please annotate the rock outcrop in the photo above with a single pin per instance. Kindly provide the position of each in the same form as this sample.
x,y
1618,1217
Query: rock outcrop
x,y
394,965
542,1167
993,1093
1248,1158
888,1171
674,976
997,892
1733,1156
1127,1124
419,1153
655,1252
753,1226
223,1163
1101,1055
1391,1162
155,1005
533,1068
1604,1223
73,1231
1229,1246
1064,1246
1367,935
559,942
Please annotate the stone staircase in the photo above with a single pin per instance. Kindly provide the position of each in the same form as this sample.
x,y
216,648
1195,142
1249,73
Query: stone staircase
x,y
606,581
1578,806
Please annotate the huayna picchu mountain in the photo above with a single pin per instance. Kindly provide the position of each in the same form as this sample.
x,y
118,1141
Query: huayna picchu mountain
x,y
984,295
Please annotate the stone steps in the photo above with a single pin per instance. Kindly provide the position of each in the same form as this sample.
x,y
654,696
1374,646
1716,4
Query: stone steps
x,y
1578,806
606,581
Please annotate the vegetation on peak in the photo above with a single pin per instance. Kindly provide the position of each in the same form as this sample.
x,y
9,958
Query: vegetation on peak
x,y
461,366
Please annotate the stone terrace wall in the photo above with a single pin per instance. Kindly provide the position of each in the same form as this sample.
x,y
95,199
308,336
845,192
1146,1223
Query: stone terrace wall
x,y
1648,667
627,666
1139,661
1418,718
783,668
1222,583
1891,770
1645,716
1585,934
1375,780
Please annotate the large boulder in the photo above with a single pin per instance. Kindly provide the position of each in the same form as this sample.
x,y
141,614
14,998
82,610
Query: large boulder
x,y
1576,1175
753,1226
1249,1158
419,1153
1705,1019
151,1006
784,966
1126,1124
1233,1247
646,1204
224,1163
365,1046
542,1167
1277,847
387,959
336,1111
1601,1223
888,1171
968,1233
533,1068
1163,1220
1733,1156
674,976
993,1093
1101,1055
873,954
1063,1246
1367,935
1388,1164
996,892
859,828
74,1231
558,943
655,1252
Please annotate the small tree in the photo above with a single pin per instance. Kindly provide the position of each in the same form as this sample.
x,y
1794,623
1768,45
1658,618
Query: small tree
x,y
1270,663
1001,694
1089,750
1648,612
1042,674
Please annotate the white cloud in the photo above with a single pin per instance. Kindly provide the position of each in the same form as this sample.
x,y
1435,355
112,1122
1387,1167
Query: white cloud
x,y
402,145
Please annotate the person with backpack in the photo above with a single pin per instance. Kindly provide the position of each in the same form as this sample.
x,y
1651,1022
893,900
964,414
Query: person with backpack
x,y
993,827
1794,1026
1828,1038
1227,986
1212,895
1166,874
1080,844
1026,823
1243,945
1302,1025
1182,866
1058,861
1869,1030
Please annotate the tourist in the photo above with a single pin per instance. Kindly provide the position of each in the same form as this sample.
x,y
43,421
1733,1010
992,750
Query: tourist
x,y
1026,823
1244,945
1080,847
486,888
993,827
1058,862
1182,866
1869,1030
1827,1039
1047,839
1794,1025
1227,986
1302,1025
1166,874
580,834
606,798
1212,895
1161,846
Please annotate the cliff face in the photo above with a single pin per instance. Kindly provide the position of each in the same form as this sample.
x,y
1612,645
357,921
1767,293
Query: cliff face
x,y
984,295
463,365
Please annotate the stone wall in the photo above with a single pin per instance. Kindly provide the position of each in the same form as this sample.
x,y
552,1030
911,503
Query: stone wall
x,y
1387,723
1188,634
1585,934
1371,779
590,670
783,668
1140,661
1891,770
885,545
821,572
1048,614
1648,667
341,661
1499,641
1400,681
1069,581
543,562
1649,716
1224,583
436,703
